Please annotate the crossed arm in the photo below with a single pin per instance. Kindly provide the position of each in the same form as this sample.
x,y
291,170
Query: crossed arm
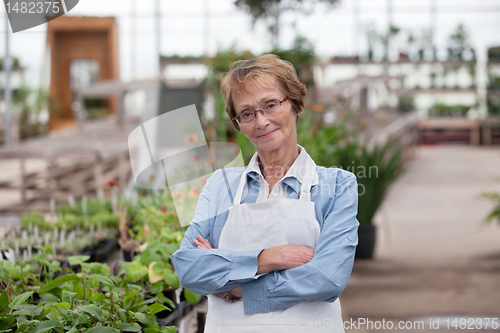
x,y
271,259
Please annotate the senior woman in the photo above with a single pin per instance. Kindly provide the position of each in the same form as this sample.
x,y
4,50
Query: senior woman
x,y
276,257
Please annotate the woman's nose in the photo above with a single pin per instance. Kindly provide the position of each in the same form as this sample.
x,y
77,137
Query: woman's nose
x,y
260,120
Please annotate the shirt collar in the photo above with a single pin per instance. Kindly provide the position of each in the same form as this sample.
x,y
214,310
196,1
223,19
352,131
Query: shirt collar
x,y
302,170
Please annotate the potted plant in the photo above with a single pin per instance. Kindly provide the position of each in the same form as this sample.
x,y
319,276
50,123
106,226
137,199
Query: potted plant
x,y
375,169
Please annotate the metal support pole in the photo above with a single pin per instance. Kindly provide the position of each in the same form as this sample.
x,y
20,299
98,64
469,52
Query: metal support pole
x,y
206,37
133,26
356,26
389,25
7,94
433,29
158,30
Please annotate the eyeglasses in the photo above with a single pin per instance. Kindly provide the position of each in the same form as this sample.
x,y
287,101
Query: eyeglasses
x,y
267,109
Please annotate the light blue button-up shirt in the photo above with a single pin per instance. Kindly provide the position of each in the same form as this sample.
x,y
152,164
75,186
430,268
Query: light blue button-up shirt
x,y
217,270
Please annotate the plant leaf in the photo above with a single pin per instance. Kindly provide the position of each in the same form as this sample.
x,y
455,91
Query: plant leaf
x,y
147,319
68,296
102,279
156,307
63,305
20,299
101,329
77,260
191,297
129,327
93,310
95,297
168,329
45,326
58,281
154,276
4,301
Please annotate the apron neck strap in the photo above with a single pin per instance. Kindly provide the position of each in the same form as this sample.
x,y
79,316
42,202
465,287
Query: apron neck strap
x,y
241,186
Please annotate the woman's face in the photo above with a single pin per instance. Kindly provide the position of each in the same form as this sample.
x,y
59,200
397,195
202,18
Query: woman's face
x,y
267,133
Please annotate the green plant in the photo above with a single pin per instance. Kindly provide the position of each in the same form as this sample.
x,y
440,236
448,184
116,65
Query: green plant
x,y
92,206
443,110
494,53
15,62
406,102
375,168
302,57
493,104
30,103
320,140
495,213
458,43
43,296
270,11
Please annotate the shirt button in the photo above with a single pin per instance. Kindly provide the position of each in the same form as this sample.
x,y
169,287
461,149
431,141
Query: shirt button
x,y
349,238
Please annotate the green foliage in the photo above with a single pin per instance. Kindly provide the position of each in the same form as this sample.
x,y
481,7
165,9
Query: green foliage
x,y
493,82
15,62
443,110
406,102
259,9
29,104
495,212
320,140
302,57
493,104
33,219
458,43
92,300
375,38
94,206
181,59
375,170
494,53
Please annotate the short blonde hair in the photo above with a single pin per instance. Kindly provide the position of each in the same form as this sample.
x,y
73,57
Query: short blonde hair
x,y
244,71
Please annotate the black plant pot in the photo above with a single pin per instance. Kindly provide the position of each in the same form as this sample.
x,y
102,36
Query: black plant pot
x,y
366,241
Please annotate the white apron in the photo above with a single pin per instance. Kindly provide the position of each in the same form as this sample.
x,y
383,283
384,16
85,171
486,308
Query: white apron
x,y
253,226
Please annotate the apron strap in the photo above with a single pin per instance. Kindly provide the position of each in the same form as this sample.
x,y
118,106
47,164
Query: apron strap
x,y
227,185
241,186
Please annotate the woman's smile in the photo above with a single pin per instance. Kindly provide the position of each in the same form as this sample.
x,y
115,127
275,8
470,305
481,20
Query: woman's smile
x,y
267,135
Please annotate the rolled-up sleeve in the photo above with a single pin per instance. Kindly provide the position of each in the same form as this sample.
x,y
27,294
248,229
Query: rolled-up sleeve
x,y
326,275
215,270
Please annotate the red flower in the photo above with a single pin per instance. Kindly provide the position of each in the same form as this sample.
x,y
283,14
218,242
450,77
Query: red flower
x,y
112,182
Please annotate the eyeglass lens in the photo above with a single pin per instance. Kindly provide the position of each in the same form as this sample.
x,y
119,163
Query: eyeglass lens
x,y
267,109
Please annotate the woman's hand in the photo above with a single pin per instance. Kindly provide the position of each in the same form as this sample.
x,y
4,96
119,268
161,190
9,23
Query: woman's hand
x,y
236,292
233,293
283,257
202,243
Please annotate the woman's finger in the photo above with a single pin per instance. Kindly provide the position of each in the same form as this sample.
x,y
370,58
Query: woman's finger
x,y
202,243
198,244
